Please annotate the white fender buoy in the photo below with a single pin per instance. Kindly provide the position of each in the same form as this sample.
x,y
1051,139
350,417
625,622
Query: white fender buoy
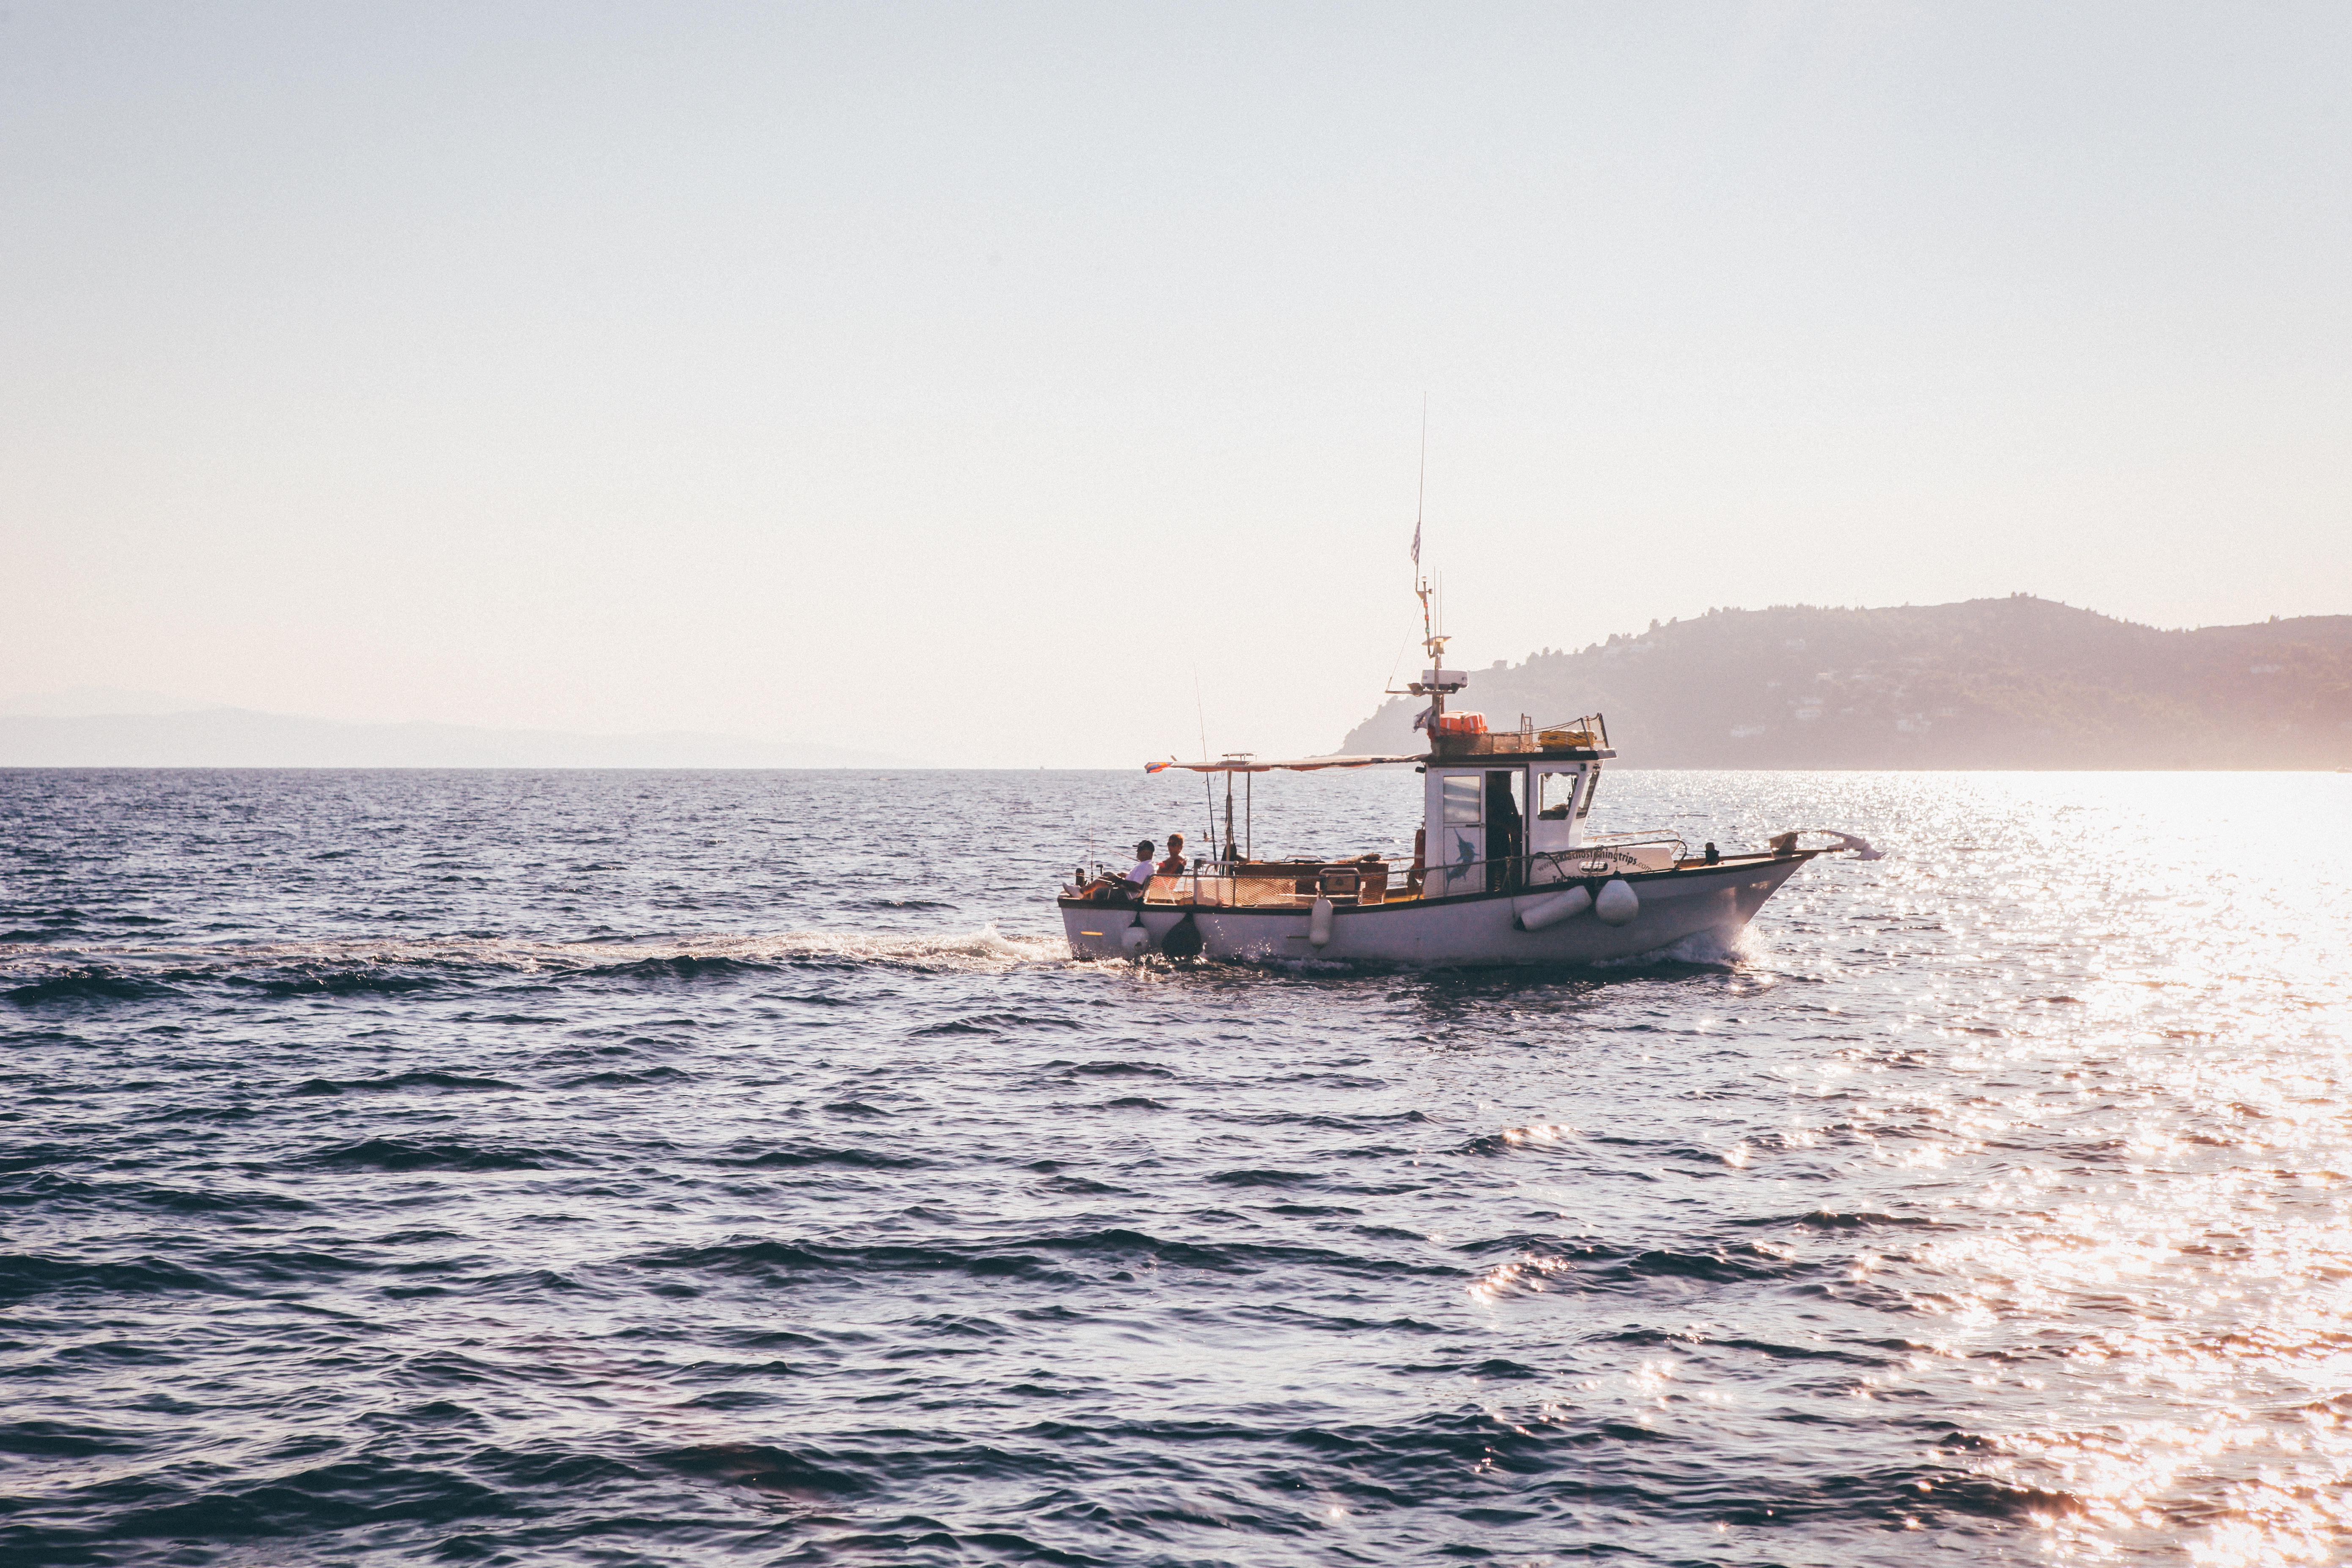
x,y
1618,902
1135,939
1319,922
1554,908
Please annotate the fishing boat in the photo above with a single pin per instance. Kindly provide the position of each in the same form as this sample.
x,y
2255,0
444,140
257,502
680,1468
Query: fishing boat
x,y
1505,871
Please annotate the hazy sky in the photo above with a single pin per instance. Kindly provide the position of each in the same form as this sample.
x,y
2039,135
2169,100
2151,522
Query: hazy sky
x,y
967,381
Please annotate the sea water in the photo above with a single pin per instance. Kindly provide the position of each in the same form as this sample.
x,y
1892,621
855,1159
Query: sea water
x,y
725,1167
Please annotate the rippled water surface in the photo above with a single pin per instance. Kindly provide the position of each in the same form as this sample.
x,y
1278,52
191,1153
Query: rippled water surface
x,y
621,1168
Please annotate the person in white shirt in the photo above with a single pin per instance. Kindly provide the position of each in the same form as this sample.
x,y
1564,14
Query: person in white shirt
x,y
1113,889
1132,885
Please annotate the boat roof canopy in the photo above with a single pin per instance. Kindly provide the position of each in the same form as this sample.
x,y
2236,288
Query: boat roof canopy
x,y
1297,765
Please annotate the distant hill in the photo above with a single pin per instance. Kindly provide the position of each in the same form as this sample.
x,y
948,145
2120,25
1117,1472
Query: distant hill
x,y
1991,683
84,701
241,738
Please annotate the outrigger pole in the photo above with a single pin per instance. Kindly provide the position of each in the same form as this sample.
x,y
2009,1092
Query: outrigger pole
x,y
1208,784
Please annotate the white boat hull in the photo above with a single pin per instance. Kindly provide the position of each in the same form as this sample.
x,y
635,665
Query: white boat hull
x,y
1472,930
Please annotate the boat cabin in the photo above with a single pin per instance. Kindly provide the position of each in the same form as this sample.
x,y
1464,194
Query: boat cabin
x,y
1499,812
1507,810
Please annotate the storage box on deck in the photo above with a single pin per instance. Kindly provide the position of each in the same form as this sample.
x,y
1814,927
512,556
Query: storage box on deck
x,y
1508,742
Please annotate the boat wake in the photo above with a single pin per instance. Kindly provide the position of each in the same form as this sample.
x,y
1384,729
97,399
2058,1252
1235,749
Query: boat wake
x,y
33,973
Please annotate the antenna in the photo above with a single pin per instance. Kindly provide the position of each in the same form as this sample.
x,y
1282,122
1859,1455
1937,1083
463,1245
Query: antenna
x,y
1420,507
1420,489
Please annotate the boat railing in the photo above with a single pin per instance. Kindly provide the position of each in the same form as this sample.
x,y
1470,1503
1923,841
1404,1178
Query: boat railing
x,y
1621,854
1296,885
1585,734
1279,884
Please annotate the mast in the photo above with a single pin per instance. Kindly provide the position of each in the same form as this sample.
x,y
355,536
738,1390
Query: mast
x,y
1429,643
1432,642
1432,684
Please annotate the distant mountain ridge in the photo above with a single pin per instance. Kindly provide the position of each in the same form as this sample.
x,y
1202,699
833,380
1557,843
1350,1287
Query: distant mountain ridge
x,y
2019,682
243,737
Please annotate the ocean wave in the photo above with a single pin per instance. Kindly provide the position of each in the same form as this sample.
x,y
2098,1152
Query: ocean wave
x,y
24,1275
399,1154
1265,1179
413,1079
19,1189
331,983
1054,1257
649,1079
996,1023
806,1475
1536,1264
63,1440
802,1156
83,985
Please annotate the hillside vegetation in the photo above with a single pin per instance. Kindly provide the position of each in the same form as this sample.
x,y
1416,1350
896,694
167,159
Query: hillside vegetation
x,y
2018,682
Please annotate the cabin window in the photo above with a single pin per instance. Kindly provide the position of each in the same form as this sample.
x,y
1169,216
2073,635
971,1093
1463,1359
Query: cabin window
x,y
1556,795
1461,794
1586,809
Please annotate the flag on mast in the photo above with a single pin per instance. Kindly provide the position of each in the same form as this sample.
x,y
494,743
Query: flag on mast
x,y
1416,542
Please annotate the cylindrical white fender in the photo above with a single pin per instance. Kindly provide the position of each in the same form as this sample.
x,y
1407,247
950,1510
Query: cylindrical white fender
x,y
1554,908
1319,922
1135,939
1618,902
